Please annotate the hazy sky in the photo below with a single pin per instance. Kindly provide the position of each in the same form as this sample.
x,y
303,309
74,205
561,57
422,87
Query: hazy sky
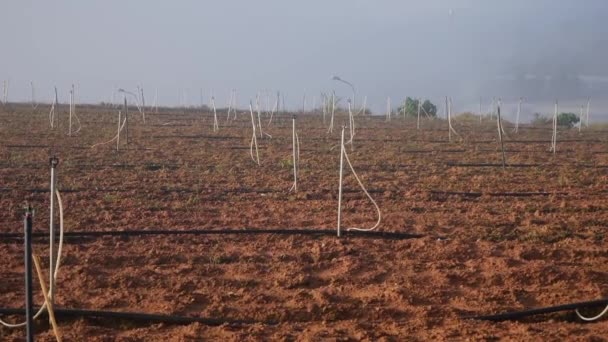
x,y
385,47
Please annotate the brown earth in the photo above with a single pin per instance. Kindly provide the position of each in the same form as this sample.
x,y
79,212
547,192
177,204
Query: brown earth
x,y
484,250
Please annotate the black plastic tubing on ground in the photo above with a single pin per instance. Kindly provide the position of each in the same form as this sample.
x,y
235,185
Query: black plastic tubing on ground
x,y
142,232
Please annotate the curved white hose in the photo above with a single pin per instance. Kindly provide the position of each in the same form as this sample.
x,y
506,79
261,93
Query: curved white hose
x,y
79,124
368,196
589,319
52,115
55,274
115,137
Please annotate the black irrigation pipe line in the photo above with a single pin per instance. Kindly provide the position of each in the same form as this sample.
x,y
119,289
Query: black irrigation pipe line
x,y
455,164
515,315
198,232
200,136
73,147
496,194
141,317
186,190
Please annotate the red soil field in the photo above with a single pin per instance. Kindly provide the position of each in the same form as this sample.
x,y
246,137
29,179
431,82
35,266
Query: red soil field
x,y
484,250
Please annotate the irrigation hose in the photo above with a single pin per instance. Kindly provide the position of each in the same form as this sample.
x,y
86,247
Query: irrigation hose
x,y
115,137
55,273
591,319
368,196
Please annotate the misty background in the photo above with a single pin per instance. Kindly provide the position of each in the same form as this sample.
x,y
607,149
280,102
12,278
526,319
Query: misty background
x,y
467,49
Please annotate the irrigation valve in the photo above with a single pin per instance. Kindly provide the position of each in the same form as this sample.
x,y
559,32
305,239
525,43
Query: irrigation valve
x,y
54,161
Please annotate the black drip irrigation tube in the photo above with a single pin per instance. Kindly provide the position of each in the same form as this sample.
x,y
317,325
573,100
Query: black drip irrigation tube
x,y
140,317
496,194
161,232
590,166
516,315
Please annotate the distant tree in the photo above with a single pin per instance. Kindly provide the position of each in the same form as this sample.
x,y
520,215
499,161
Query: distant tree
x,y
411,108
567,119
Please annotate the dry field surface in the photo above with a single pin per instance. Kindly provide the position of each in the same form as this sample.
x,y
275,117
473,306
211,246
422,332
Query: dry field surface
x,y
493,240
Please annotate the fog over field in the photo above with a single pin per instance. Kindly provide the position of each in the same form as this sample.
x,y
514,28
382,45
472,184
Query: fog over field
x,y
467,49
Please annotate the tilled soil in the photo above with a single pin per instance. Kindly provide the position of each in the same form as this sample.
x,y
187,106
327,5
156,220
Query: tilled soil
x,y
494,239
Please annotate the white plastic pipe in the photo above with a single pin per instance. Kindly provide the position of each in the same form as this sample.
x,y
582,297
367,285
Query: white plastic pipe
x,y
554,135
342,151
587,120
294,187
333,110
143,105
215,123
71,108
6,84
480,113
418,120
258,110
156,100
52,233
254,141
580,119
518,113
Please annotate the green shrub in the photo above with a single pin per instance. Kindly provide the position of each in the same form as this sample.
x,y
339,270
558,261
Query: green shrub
x,y
411,108
567,119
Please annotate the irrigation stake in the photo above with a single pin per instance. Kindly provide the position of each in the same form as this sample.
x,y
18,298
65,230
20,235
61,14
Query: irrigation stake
x,y
351,126
275,108
229,107
588,104
126,108
333,110
6,84
29,298
54,161
49,306
480,113
580,119
363,108
418,120
254,141
52,111
448,106
155,100
34,104
554,136
342,151
143,105
521,99
323,106
118,132
502,145
71,108
216,127
296,152
257,107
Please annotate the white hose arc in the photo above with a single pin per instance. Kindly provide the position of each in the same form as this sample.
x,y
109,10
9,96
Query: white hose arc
x,y
368,196
52,114
594,318
115,137
254,140
55,273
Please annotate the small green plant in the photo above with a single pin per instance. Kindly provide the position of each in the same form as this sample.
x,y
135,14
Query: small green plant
x,y
286,163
